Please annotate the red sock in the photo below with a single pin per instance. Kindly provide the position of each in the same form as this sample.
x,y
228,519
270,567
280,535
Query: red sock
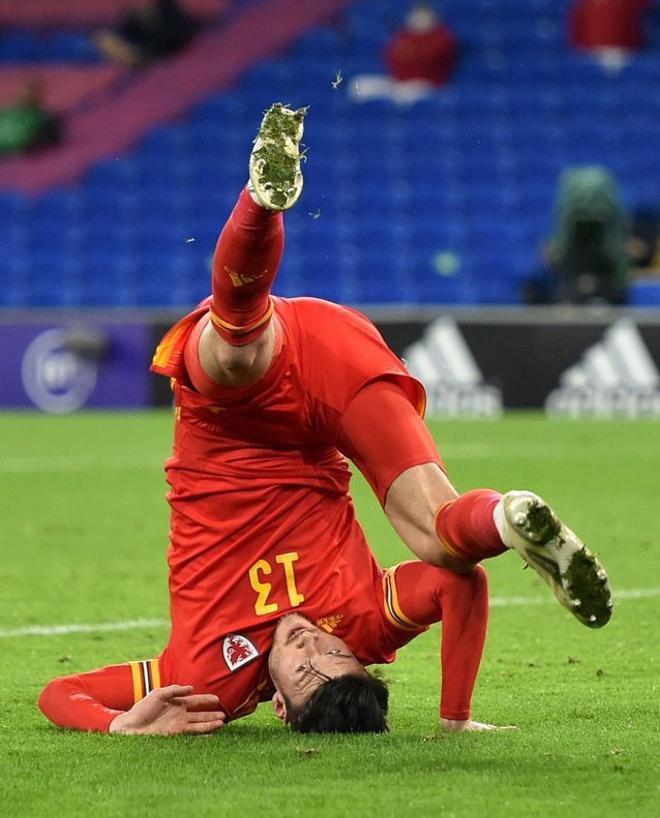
x,y
427,594
466,526
246,259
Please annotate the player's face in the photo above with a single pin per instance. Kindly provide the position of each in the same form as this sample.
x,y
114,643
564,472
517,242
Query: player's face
x,y
303,657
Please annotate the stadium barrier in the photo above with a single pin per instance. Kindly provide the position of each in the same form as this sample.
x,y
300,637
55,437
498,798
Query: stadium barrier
x,y
571,362
63,361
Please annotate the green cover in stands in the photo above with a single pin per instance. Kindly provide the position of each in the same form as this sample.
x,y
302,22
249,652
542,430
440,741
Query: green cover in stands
x,y
591,225
20,126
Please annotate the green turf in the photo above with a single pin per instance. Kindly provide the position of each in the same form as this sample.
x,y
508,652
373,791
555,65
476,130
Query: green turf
x,y
84,525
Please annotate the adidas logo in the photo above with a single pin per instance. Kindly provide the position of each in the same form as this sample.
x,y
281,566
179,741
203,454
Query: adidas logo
x,y
454,385
616,377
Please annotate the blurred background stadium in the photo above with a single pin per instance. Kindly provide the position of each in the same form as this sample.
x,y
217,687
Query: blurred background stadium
x,y
412,209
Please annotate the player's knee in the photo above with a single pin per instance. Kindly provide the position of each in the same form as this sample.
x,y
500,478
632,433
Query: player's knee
x,y
233,360
473,582
231,365
441,558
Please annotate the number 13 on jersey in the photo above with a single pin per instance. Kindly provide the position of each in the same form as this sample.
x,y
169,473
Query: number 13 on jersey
x,y
263,588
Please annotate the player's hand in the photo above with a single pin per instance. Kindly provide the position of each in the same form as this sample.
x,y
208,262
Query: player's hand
x,y
469,726
171,711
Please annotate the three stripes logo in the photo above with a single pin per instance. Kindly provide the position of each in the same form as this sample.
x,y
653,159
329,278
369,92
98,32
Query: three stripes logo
x,y
443,362
616,377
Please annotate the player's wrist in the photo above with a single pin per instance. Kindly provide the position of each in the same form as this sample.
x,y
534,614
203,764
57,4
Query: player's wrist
x,y
454,725
118,724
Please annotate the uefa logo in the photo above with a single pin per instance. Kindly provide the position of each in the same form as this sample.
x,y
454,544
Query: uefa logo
x,y
56,377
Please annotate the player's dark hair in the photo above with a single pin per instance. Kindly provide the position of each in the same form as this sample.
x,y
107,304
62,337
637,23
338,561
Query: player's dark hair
x,y
346,704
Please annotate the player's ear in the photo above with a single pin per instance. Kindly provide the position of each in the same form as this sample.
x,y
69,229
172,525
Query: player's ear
x,y
279,707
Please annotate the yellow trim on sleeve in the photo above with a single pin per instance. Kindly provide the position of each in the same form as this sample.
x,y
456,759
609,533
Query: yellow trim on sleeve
x,y
397,607
163,350
155,674
421,403
393,610
136,673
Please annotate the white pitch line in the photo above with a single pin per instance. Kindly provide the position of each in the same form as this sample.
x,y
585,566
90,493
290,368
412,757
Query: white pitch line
x,y
62,630
619,596
136,624
450,451
77,463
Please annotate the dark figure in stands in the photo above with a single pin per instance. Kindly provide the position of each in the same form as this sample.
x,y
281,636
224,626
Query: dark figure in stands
x,y
27,124
588,251
644,241
148,33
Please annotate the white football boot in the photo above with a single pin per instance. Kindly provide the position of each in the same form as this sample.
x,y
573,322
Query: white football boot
x,y
276,181
525,522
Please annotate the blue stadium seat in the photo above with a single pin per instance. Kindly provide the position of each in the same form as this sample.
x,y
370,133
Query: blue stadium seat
x,y
18,46
65,46
464,180
644,293
446,290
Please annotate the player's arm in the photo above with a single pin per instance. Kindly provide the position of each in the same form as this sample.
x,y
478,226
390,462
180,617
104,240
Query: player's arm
x,y
382,433
104,701
425,594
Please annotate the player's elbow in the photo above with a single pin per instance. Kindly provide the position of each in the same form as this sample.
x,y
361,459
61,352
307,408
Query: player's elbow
x,y
479,578
46,696
49,698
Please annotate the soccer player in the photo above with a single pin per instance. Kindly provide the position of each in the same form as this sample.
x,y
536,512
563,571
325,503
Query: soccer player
x,y
311,665
272,395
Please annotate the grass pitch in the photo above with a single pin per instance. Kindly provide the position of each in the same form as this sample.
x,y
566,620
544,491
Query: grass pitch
x,y
84,530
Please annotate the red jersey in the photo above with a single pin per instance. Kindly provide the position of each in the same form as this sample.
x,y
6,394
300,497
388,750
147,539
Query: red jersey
x,y
262,523
608,23
428,55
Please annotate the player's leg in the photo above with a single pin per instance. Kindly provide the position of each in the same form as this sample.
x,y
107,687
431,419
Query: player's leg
x,y
483,523
90,701
383,434
236,347
442,527
418,594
